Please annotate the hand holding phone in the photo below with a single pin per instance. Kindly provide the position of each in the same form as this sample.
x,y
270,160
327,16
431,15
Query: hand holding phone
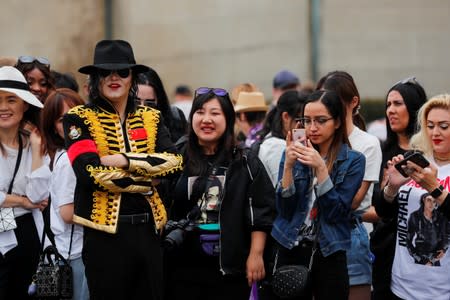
x,y
415,157
299,134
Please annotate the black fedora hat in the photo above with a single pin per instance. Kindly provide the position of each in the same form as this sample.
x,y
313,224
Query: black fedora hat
x,y
113,55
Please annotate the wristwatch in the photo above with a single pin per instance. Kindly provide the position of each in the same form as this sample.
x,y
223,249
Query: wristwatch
x,y
437,191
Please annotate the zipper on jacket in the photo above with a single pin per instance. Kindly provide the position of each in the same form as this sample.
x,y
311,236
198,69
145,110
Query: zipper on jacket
x,y
220,227
250,199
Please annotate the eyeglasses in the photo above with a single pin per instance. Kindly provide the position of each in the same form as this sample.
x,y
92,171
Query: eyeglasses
x,y
205,90
307,122
411,80
27,59
123,73
147,102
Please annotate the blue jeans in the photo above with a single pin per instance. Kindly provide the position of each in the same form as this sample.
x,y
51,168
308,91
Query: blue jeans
x,y
80,287
359,262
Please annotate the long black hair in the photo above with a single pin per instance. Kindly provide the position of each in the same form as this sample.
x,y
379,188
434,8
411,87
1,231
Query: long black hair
x,y
414,97
344,85
94,85
291,102
197,164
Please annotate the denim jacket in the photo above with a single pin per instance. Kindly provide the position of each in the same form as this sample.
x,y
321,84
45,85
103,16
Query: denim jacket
x,y
333,196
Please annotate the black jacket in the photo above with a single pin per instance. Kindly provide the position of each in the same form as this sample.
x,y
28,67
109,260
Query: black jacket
x,y
247,205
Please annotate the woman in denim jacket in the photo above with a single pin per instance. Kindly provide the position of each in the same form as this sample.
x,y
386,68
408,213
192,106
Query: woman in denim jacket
x,y
320,177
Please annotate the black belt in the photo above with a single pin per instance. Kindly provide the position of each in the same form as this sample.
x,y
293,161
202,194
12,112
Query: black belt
x,y
135,219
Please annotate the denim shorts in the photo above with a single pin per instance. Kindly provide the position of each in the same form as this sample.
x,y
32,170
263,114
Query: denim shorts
x,y
359,262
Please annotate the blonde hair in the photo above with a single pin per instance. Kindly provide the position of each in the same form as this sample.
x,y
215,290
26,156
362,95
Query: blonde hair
x,y
420,140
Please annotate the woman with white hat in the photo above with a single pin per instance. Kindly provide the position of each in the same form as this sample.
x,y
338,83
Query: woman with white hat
x,y
23,185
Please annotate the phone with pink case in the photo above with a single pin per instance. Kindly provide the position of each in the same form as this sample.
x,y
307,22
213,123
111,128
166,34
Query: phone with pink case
x,y
298,134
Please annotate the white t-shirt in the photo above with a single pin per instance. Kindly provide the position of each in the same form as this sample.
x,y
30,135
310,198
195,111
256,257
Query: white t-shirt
x,y
62,187
31,184
368,145
270,153
418,243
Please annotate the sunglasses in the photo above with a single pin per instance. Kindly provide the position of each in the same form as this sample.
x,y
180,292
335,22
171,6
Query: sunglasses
x,y
146,102
26,59
123,73
411,80
205,90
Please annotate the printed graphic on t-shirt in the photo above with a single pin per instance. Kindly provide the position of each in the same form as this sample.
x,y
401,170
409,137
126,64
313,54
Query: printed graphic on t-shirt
x,y
427,233
422,229
208,202
421,268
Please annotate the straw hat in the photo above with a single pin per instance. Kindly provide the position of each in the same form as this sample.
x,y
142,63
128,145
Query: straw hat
x,y
250,101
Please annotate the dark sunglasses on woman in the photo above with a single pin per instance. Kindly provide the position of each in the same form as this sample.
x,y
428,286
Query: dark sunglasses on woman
x,y
123,73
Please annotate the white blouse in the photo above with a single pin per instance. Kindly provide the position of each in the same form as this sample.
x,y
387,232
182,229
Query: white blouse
x,y
33,185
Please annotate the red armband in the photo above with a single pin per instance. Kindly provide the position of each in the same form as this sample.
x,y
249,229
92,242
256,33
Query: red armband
x,y
81,147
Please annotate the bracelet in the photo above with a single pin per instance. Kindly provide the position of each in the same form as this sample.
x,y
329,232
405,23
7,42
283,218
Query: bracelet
x,y
387,195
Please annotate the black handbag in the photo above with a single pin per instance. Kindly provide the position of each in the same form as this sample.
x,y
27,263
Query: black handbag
x,y
53,277
293,281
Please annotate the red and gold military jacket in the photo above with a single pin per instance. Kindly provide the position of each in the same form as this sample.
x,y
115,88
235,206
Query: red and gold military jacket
x,y
95,130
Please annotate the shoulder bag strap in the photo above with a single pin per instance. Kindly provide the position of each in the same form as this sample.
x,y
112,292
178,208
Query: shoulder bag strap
x,y
70,245
19,158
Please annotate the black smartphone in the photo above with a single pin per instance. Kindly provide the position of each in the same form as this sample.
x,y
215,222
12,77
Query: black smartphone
x,y
415,157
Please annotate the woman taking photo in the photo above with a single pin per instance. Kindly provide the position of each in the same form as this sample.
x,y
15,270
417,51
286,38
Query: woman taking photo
x,y
68,236
321,176
228,199
23,185
406,193
403,101
358,257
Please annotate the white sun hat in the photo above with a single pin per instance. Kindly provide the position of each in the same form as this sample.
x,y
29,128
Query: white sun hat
x,y
13,81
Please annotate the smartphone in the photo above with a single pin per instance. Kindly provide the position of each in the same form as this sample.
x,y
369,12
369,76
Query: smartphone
x,y
297,134
416,158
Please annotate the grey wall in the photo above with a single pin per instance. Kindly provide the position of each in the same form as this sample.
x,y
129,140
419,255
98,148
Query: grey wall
x,y
221,43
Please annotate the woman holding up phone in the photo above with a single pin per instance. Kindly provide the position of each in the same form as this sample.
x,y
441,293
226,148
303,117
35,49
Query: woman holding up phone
x,y
403,101
406,194
314,197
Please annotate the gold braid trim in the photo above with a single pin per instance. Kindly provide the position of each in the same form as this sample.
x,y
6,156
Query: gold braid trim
x,y
104,177
105,212
158,210
139,165
97,132
151,120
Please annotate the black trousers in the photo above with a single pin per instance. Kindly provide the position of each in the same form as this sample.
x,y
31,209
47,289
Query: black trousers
x,y
19,265
125,265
